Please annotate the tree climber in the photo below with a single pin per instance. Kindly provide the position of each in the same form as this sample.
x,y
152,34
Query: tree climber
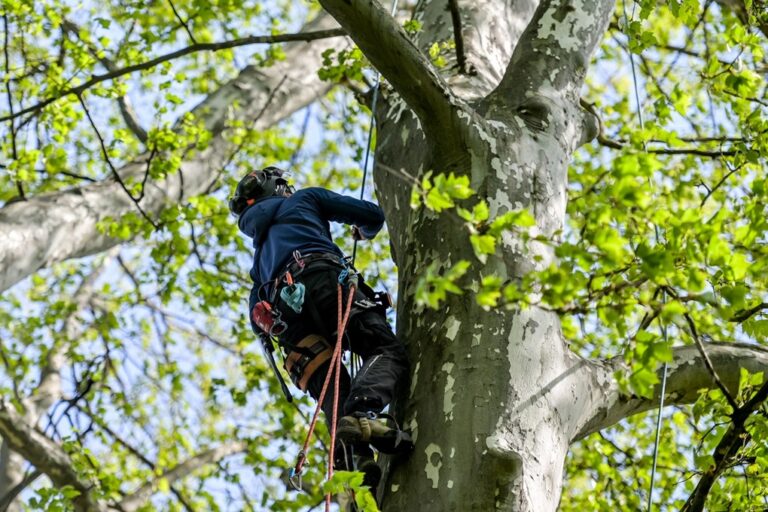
x,y
296,268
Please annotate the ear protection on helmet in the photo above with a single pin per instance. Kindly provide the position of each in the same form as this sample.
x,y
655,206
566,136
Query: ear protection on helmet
x,y
258,185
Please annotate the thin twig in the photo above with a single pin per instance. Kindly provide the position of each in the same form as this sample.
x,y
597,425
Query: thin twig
x,y
9,93
604,141
719,184
200,47
183,23
302,136
146,173
110,165
458,38
708,363
131,449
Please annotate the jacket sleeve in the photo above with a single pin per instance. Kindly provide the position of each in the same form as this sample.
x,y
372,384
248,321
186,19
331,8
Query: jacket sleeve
x,y
348,210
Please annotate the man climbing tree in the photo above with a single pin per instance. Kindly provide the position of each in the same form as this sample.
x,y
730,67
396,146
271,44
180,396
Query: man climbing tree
x,y
564,237
297,270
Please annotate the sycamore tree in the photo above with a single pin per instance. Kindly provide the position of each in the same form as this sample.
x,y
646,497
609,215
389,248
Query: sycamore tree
x,y
576,207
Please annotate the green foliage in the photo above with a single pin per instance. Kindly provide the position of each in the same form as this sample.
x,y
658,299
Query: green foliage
x,y
439,51
437,281
157,341
342,65
350,483
442,192
663,234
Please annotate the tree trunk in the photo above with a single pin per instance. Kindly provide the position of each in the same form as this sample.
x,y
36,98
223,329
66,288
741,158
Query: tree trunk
x,y
489,397
492,399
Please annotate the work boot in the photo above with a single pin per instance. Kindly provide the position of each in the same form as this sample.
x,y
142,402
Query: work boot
x,y
358,457
366,427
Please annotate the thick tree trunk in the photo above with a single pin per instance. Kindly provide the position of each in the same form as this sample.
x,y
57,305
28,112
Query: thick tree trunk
x,y
490,397
11,473
494,397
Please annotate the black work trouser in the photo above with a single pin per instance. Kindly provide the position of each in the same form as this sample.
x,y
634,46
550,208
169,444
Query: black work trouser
x,y
367,334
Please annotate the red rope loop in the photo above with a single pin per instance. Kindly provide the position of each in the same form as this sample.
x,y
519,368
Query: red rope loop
x,y
334,369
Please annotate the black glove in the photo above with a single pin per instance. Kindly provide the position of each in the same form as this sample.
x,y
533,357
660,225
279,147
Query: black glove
x,y
357,234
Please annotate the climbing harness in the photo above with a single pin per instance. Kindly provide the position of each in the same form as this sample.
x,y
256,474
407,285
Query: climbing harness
x,y
664,294
334,371
305,358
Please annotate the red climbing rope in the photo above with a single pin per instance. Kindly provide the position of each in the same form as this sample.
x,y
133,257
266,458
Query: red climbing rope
x,y
333,369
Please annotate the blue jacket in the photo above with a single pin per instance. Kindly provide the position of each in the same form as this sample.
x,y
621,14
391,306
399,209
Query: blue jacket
x,y
281,225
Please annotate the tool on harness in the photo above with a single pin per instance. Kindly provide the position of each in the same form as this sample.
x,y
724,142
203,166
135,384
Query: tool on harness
x,y
298,259
293,293
268,319
268,349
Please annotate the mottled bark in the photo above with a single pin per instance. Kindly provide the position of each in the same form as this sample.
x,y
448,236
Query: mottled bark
x,y
491,394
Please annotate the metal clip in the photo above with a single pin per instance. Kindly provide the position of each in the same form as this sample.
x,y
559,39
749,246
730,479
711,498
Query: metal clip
x,y
299,260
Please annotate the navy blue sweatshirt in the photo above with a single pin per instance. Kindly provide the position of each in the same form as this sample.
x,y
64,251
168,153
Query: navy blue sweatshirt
x,y
281,225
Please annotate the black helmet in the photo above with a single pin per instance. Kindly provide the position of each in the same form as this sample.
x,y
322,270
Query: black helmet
x,y
257,185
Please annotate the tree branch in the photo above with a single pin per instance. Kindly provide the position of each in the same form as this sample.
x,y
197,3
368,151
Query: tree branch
x,y
458,38
741,316
45,455
735,438
396,57
6,500
686,375
554,51
199,47
211,456
124,102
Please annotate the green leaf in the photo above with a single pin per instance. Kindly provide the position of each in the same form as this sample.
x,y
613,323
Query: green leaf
x,y
483,245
